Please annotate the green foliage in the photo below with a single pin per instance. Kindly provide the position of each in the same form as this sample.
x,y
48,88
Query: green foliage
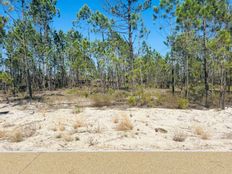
x,y
146,100
6,78
197,92
183,103
141,98
36,55
132,101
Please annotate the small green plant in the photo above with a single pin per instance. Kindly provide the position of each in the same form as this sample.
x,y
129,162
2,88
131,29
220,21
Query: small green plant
x,y
110,91
77,110
132,101
183,103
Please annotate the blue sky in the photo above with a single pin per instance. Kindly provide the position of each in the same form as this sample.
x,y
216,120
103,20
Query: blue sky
x,y
69,8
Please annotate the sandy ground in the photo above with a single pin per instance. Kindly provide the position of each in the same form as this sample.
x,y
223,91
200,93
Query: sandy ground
x,y
95,129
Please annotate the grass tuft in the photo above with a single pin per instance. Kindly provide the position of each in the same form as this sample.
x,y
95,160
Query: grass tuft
x,y
16,135
202,133
179,137
2,134
183,103
125,124
79,123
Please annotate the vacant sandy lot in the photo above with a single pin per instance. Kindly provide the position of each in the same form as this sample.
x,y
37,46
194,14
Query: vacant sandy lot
x,y
37,128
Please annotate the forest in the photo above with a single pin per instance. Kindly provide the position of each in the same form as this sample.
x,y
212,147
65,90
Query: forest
x,y
197,69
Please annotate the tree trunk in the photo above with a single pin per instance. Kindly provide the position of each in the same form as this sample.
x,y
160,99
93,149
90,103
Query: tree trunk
x,y
130,38
222,87
29,88
205,66
187,78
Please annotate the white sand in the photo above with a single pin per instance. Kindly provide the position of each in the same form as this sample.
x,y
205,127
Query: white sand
x,y
99,133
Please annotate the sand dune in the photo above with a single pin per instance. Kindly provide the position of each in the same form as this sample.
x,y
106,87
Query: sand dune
x,y
37,128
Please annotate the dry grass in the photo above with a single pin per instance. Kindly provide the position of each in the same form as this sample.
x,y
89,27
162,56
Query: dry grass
x,y
201,132
125,124
167,100
29,131
79,123
2,134
16,135
98,129
100,100
19,133
179,137
205,136
61,127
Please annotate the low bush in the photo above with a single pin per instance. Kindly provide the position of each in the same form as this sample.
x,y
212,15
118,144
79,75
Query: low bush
x,y
166,100
100,100
132,101
183,103
146,100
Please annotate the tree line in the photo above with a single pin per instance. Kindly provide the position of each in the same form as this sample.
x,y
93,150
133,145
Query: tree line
x,y
35,56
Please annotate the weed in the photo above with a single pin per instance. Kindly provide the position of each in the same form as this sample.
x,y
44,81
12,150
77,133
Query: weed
x,y
179,137
202,133
132,101
183,103
16,135
125,124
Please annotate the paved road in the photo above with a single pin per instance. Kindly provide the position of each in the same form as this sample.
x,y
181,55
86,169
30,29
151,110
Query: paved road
x,y
115,163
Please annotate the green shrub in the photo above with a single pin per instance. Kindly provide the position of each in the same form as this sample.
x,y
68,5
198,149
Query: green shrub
x,y
110,91
183,103
146,100
160,99
132,101
197,92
